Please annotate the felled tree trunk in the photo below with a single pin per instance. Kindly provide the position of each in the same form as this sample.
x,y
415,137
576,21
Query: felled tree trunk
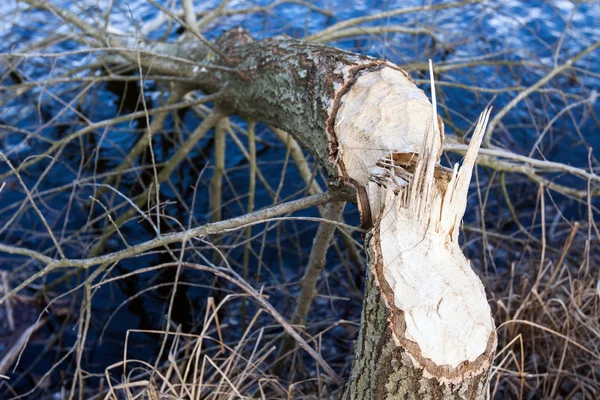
x,y
427,330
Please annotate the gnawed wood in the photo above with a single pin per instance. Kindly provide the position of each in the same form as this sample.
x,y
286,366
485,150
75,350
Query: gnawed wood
x,y
436,322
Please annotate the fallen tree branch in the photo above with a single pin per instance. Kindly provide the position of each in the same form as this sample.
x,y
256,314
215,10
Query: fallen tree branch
x,y
208,229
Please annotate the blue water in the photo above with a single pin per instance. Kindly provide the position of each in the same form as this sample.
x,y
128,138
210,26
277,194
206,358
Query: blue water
x,y
508,30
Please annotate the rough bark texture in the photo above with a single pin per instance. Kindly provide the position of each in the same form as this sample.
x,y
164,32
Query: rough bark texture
x,y
289,84
286,83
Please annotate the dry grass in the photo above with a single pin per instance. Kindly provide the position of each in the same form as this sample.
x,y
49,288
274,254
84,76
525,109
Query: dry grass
x,y
548,323
199,366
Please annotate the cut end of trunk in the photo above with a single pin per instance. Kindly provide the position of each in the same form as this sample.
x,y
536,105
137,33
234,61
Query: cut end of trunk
x,y
380,110
389,145
438,308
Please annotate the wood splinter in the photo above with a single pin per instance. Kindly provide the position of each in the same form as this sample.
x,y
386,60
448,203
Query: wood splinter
x,y
427,330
